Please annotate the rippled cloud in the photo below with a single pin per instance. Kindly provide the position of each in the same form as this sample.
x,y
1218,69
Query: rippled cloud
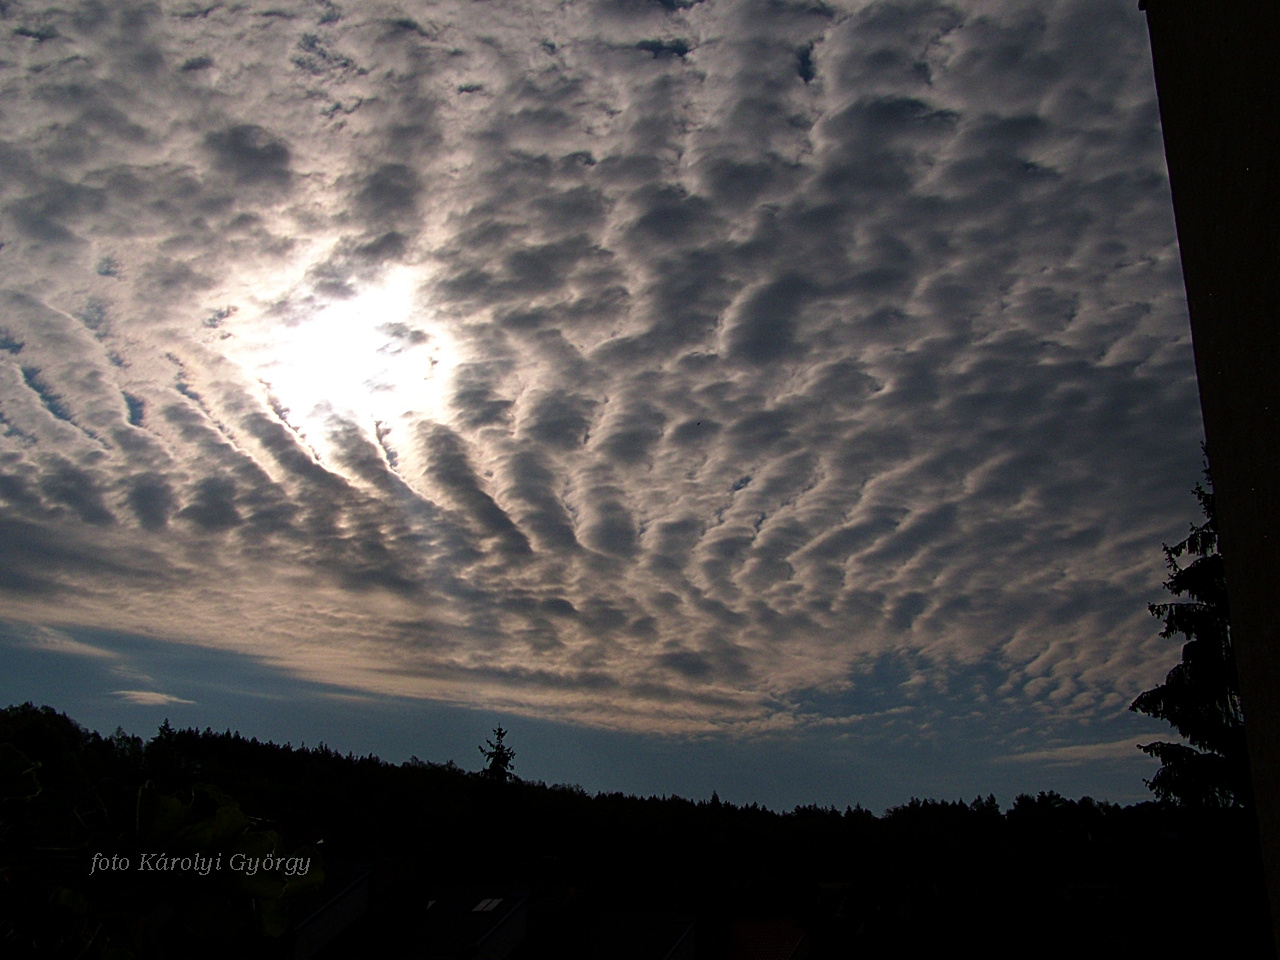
x,y
654,366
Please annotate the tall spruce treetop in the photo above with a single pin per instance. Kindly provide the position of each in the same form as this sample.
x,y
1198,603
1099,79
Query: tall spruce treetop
x,y
1200,697
500,757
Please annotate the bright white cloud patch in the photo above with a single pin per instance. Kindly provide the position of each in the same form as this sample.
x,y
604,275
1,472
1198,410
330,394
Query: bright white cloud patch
x,y
657,366
150,698
372,358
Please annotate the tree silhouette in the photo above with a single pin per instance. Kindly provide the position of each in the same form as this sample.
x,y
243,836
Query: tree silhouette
x,y
500,757
1200,696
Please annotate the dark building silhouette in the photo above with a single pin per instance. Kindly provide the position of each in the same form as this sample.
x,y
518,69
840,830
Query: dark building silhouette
x,y
471,926
1219,105
345,907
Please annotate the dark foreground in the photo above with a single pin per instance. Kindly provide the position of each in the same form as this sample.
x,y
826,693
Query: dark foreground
x,y
210,845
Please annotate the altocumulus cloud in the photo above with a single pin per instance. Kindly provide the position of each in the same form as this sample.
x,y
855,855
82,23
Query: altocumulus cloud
x,y
657,366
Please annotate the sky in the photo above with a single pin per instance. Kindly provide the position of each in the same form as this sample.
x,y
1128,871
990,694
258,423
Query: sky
x,y
782,398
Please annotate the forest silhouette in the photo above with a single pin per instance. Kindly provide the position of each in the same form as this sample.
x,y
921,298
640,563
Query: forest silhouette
x,y
577,874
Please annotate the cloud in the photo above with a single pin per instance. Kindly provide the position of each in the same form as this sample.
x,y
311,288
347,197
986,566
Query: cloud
x,y
250,155
58,641
649,366
150,698
451,468
1075,754
152,500
213,507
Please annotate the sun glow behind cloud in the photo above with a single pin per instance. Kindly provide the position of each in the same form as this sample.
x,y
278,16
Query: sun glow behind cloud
x,y
371,358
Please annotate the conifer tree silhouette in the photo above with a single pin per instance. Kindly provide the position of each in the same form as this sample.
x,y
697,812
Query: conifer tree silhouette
x,y
501,757
1200,696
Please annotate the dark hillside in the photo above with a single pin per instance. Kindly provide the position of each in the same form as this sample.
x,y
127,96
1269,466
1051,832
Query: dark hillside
x,y
581,875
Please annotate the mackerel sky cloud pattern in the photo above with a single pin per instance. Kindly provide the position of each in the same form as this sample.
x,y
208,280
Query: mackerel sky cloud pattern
x,y
758,368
